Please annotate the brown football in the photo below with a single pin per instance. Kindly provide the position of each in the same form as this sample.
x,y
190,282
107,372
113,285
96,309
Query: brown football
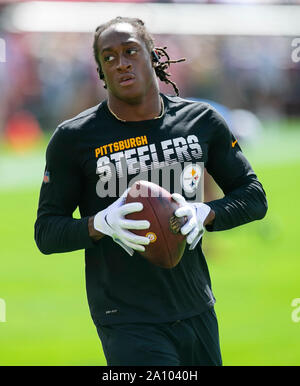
x,y
167,243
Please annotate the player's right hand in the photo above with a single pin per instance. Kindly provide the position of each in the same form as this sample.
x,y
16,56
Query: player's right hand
x,y
112,222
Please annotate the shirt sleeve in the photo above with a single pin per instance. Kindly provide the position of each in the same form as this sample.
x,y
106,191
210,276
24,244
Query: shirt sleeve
x,y
244,197
55,228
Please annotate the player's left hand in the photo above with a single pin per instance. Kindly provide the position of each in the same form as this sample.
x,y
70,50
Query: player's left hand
x,y
196,214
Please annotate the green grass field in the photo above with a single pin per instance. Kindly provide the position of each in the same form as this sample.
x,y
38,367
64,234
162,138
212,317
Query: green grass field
x,y
254,269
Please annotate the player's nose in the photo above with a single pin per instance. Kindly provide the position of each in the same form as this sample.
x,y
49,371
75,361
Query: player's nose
x,y
123,64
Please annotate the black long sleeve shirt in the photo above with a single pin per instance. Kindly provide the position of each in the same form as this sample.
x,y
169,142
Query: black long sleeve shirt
x,y
94,153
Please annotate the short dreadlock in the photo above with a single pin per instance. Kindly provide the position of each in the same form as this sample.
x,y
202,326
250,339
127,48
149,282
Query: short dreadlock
x,y
156,52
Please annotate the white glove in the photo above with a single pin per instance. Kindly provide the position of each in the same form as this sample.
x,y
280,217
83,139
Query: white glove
x,y
111,222
196,214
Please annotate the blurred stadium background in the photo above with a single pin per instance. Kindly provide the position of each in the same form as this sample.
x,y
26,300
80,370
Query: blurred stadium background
x,y
242,56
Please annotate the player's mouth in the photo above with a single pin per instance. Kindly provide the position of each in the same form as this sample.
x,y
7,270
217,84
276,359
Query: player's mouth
x,y
126,80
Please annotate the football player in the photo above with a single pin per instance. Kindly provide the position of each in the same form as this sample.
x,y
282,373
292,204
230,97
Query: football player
x,y
144,314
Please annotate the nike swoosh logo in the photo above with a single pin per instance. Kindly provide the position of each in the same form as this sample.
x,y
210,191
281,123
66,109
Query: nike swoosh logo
x,y
234,143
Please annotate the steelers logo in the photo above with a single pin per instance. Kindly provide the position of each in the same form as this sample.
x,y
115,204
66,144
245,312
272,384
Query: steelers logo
x,y
190,178
151,236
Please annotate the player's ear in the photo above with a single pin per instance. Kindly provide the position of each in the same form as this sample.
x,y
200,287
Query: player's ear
x,y
101,76
154,57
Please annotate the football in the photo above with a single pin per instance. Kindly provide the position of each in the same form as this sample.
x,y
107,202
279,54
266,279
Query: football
x,y
167,244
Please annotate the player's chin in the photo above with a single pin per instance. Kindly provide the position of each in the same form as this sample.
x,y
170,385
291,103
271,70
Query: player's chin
x,y
131,93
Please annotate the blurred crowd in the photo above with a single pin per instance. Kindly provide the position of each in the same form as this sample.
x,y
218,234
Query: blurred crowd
x,y
52,76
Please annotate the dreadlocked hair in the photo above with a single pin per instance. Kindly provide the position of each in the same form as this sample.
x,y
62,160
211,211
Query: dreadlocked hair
x,y
156,53
161,67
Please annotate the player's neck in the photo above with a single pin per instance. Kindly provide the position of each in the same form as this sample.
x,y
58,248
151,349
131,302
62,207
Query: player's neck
x,y
145,108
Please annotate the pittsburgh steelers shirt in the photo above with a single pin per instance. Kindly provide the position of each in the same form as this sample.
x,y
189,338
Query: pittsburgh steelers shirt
x,y
92,158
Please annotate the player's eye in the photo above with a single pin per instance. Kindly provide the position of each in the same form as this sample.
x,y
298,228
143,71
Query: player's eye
x,y
132,51
108,58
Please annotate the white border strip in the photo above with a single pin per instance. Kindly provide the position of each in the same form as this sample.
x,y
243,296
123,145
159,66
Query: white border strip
x,y
168,18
